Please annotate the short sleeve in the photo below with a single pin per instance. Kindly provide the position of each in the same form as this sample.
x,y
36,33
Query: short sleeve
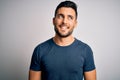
x,y
35,60
89,60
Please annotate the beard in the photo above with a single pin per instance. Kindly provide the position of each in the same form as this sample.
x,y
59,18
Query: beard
x,y
63,35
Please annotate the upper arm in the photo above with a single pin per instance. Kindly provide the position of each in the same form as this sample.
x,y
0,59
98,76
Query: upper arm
x,y
34,75
90,75
89,66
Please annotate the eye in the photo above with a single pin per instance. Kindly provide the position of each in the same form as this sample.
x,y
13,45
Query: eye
x,y
70,17
60,16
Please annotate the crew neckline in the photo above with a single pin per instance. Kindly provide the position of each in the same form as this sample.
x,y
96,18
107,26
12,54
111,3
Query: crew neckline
x,y
64,46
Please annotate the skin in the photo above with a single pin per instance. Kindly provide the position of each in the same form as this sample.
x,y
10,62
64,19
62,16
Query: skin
x,y
64,23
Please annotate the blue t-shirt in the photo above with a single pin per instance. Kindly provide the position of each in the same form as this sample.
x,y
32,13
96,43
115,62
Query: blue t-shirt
x,y
62,62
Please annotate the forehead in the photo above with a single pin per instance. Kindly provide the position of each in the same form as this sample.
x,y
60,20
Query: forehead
x,y
66,11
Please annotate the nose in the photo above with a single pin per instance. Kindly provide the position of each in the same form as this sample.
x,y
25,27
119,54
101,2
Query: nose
x,y
65,20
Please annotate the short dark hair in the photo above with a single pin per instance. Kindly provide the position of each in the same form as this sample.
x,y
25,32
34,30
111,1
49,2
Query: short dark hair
x,y
68,4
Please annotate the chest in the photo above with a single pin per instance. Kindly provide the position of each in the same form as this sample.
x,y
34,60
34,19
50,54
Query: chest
x,y
63,60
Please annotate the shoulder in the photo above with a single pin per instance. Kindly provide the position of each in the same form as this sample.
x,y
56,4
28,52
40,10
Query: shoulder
x,y
82,44
44,45
84,47
86,50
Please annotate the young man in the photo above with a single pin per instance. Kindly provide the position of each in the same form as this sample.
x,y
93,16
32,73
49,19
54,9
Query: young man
x,y
63,57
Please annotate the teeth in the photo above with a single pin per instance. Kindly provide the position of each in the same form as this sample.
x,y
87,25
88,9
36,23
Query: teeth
x,y
63,27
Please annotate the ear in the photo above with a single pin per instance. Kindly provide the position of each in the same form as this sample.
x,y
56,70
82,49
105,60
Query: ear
x,y
75,23
53,20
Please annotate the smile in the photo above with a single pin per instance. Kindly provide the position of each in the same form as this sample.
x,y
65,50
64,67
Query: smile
x,y
63,27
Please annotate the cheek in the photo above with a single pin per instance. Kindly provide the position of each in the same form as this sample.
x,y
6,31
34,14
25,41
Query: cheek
x,y
72,24
56,22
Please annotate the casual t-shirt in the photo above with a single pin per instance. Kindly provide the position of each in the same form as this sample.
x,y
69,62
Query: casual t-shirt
x,y
62,62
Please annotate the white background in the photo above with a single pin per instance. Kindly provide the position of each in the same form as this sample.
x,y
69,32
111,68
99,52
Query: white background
x,y
26,23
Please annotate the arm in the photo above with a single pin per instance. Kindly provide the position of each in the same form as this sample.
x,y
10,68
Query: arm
x,y
90,75
34,75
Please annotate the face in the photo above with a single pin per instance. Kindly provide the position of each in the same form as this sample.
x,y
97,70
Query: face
x,y
65,21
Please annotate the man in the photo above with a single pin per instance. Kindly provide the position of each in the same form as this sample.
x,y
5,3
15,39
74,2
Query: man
x,y
63,57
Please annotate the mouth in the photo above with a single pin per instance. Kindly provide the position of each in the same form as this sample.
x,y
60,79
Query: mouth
x,y
64,27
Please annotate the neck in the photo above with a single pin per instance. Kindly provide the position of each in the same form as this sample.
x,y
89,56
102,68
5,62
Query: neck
x,y
63,41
